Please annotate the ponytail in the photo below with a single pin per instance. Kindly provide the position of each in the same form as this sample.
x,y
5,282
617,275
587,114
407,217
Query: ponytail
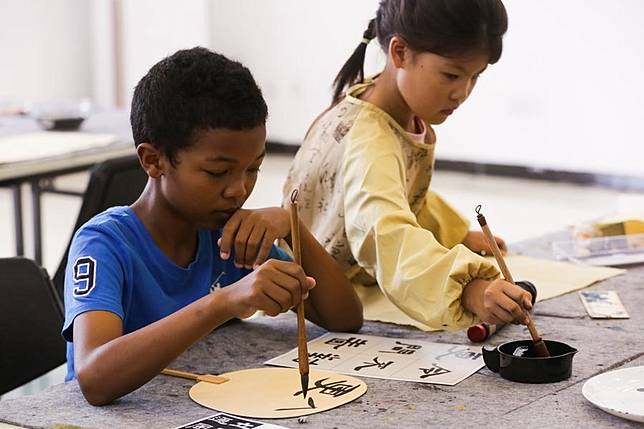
x,y
353,70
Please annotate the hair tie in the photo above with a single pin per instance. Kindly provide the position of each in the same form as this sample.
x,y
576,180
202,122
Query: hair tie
x,y
366,41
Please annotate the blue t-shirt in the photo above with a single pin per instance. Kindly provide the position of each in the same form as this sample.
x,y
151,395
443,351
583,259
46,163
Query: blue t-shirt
x,y
114,265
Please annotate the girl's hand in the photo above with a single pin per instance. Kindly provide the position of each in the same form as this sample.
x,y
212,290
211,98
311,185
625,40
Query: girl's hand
x,y
253,232
476,242
497,301
274,287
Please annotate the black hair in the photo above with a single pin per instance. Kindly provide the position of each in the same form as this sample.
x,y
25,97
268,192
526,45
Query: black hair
x,y
443,27
191,90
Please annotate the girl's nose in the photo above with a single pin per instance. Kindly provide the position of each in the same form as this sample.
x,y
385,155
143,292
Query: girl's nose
x,y
463,91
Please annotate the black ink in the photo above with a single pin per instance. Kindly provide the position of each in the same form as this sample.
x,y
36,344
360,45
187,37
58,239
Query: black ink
x,y
403,349
315,357
380,365
434,370
349,342
222,421
335,388
310,407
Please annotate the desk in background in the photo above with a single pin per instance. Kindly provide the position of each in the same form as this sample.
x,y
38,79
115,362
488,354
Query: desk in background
x,y
40,172
482,400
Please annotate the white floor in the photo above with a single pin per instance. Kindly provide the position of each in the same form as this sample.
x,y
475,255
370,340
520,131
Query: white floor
x,y
516,210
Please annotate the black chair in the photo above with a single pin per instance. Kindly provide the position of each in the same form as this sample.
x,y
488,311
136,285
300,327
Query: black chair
x,y
114,182
31,318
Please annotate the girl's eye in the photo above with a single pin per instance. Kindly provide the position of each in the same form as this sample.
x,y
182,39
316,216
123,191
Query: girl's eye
x,y
253,171
450,76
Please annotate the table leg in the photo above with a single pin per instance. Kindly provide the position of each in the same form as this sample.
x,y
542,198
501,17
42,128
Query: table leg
x,y
17,219
35,201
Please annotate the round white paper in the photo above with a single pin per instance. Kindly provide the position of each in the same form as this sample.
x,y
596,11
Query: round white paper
x,y
272,393
619,392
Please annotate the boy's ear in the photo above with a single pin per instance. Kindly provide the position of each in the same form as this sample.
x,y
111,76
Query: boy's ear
x,y
151,159
398,52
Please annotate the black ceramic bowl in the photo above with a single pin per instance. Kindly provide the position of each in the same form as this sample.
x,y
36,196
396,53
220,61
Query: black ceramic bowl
x,y
61,124
517,361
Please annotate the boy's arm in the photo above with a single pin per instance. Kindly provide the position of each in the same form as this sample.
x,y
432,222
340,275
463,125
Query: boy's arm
x,y
333,304
109,364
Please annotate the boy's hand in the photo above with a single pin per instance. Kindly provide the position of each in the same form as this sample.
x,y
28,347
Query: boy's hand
x,y
497,302
477,243
274,287
253,232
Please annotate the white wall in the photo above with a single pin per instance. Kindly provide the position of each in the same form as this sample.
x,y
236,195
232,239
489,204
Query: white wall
x,y
154,29
567,93
294,49
45,50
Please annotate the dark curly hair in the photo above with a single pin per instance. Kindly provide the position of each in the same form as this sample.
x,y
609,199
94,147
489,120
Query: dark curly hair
x,y
190,90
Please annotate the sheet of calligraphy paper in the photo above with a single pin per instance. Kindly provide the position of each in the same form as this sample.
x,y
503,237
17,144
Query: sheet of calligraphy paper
x,y
29,147
391,358
273,393
551,278
225,421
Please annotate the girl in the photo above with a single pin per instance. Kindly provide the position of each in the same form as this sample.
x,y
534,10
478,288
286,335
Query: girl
x,y
364,169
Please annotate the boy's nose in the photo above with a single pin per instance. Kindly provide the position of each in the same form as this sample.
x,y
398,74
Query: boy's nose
x,y
237,189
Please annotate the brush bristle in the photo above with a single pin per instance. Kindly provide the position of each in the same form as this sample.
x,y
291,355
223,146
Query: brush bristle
x,y
304,378
540,348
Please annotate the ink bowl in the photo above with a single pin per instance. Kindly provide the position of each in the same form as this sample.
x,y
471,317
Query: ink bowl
x,y
518,361
61,115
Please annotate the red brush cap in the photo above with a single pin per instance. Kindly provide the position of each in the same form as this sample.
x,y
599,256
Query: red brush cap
x,y
477,333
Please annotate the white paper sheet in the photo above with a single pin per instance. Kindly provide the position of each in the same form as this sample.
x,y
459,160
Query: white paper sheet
x,y
35,146
389,358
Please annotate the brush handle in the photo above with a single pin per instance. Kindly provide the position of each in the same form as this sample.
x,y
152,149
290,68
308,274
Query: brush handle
x,y
302,349
504,268
495,248
192,376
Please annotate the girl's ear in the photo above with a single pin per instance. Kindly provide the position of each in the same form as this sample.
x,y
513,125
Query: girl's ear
x,y
151,159
398,52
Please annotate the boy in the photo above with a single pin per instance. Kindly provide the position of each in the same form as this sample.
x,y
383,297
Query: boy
x,y
138,279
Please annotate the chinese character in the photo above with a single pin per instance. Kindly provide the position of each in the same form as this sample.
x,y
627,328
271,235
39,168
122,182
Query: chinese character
x,y
434,370
225,421
403,349
319,356
222,420
380,365
200,425
335,388
349,342
461,353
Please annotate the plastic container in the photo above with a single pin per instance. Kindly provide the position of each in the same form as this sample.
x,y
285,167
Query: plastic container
x,y
606,251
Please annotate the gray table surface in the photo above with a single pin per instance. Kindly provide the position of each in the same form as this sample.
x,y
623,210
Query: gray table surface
x,y
482,400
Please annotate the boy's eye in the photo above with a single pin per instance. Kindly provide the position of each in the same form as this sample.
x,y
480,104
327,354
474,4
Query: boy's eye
x,y
450,76
216,173
253,170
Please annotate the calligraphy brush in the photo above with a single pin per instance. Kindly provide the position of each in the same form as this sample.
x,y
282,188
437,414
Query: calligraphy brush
x,y
539,346
302,349
192,376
